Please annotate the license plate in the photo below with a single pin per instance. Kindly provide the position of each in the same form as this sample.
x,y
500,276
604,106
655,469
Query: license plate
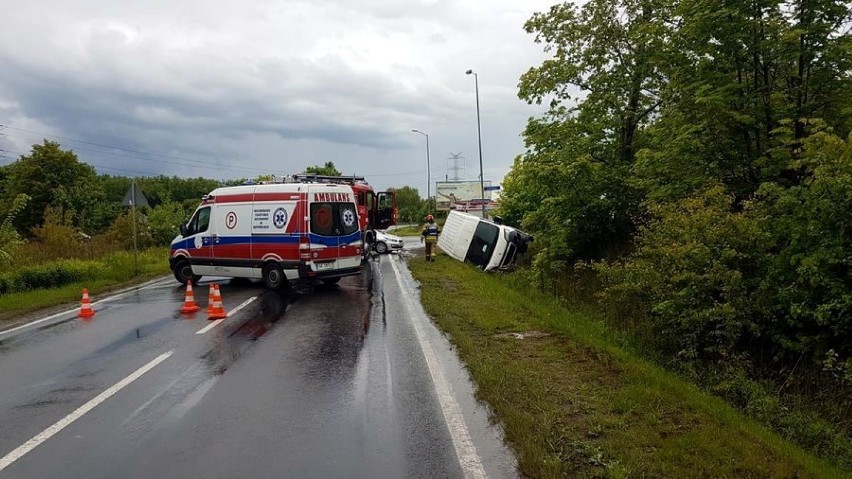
x,y
324,266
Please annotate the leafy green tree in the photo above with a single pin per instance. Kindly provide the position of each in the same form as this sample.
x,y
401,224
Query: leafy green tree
x,y
120,233
692,275
748,82
100,216
50,176
10,240
410,206
56,236
603,87
768,281
164,222
326,170
806,286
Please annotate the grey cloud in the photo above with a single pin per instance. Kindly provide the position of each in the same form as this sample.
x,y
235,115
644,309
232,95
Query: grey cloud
x,y
195,79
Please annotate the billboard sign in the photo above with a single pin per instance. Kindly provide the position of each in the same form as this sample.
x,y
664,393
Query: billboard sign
x,y
462,196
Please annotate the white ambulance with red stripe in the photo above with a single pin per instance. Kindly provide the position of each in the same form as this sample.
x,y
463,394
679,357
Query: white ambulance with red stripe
x,y
280,233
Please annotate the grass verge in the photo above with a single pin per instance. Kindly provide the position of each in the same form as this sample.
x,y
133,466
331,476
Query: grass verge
x,y
407,231
573,403
115,271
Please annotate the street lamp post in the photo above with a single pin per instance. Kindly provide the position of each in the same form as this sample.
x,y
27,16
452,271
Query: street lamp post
x,y
479,136
428,169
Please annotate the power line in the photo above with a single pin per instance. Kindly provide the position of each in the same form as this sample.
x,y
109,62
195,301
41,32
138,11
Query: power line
x,y
113,147
201,164
126,170
176,160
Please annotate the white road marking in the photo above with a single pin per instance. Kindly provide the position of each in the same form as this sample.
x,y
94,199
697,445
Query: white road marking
x,y
72,311
28,446
469,460
230,313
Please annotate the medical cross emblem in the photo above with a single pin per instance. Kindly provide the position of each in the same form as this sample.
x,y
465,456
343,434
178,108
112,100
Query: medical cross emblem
x,y
348,217
279,218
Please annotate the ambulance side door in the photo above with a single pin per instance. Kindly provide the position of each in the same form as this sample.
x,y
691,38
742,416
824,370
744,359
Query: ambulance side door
x,y
231,239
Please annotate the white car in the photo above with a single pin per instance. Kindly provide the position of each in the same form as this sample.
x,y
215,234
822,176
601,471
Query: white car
x,y
387,242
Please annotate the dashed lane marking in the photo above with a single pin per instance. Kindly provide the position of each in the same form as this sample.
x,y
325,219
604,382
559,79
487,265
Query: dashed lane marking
x,y
230,313
28,446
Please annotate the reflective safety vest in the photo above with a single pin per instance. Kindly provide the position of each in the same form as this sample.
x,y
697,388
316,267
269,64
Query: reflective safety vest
x,y
430,232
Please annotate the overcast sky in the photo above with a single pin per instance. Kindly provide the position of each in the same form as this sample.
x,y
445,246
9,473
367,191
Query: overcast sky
x,y
227,89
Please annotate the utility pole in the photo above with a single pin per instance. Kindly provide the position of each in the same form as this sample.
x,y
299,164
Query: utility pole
x,y
131,198
133,206
479,137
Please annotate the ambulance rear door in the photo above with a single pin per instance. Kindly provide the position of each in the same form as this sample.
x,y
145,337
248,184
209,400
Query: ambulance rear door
x,y
334,229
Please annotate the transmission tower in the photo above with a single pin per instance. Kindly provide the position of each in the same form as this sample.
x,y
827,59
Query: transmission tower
x,y
456,158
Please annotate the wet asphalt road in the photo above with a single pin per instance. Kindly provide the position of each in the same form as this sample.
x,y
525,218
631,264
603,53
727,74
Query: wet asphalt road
x,y
332,382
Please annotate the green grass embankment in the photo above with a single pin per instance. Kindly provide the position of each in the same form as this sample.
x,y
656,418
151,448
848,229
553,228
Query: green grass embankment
x,y
64,280
573,403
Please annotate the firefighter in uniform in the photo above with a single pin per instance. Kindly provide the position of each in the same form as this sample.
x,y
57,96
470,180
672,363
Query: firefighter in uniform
x,y
430,236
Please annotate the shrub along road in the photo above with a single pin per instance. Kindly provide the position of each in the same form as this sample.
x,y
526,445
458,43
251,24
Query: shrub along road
x,y
575,404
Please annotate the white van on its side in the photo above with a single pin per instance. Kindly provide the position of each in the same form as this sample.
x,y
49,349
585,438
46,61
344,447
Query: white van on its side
x,y
488,245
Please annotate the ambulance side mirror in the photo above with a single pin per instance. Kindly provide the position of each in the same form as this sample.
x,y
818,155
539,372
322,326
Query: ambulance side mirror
x,y
183,229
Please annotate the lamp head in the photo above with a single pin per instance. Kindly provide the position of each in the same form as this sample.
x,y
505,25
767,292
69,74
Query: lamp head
x,y
468,72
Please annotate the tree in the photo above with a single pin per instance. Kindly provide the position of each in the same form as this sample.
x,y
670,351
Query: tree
x,y
603,87
120,233
10,240
51,176
409,204
164,222
326,170
749,81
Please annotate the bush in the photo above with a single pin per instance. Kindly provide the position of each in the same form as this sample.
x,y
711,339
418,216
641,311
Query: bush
x,y
164,222
807,288
49,275
691,275
10,240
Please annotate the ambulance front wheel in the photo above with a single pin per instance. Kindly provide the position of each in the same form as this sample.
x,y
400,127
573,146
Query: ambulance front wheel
x,y
183,272
273,276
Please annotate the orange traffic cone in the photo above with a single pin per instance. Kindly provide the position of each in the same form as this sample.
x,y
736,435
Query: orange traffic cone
x,y
213,287
218,310
86,310
189,305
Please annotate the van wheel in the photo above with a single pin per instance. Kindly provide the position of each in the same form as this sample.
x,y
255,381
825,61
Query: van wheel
x,y
331,280
273,276
183,272
381,248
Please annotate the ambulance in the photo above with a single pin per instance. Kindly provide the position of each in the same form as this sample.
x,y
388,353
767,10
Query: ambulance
x,y
280,233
